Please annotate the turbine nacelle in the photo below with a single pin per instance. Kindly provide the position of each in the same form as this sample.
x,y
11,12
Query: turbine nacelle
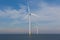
x,y
31,14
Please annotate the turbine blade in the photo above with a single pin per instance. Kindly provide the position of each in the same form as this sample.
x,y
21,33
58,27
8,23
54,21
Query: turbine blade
x,y
35,15
26,17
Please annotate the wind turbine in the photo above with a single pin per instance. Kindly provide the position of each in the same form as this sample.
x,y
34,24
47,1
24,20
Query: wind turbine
x,y
37,29
29,17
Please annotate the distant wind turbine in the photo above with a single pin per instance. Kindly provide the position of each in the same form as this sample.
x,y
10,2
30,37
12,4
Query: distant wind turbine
x,y
37,28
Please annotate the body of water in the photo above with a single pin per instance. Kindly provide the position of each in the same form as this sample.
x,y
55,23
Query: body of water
x,y
27,37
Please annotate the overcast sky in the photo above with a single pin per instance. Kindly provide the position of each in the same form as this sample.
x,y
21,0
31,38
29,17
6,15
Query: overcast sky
x,y
14,16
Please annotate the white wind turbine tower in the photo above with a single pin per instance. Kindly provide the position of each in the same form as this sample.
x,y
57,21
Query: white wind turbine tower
x,y
37,29
29,17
